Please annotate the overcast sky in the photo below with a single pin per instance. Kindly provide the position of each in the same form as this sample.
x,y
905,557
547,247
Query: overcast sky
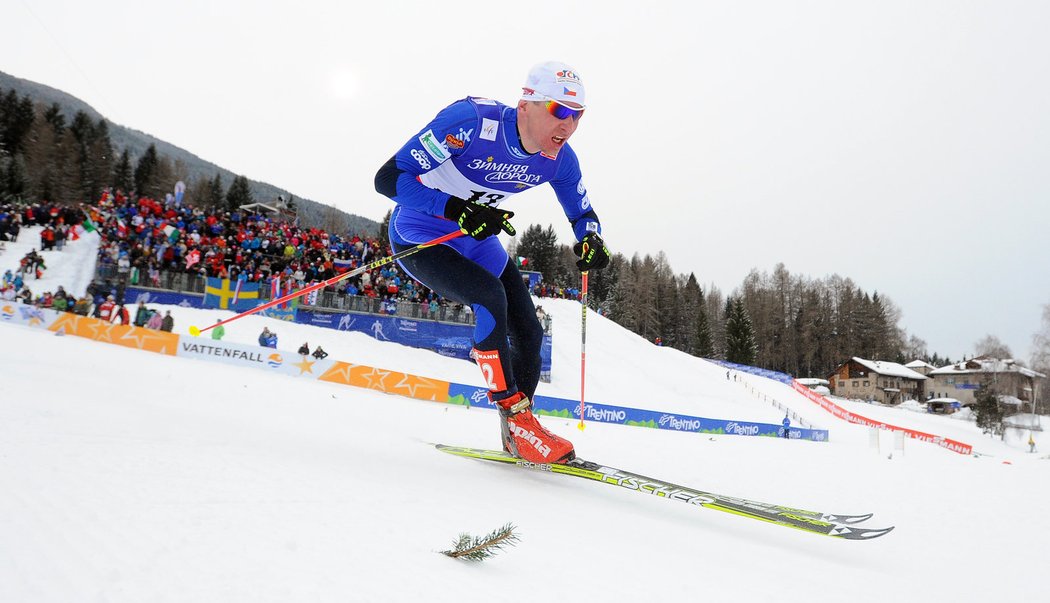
x,y
905,145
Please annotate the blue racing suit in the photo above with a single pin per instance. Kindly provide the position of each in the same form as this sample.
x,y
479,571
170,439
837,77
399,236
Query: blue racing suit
x,y
471,150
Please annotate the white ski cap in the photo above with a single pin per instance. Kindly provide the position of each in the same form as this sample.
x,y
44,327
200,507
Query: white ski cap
x,y
555,81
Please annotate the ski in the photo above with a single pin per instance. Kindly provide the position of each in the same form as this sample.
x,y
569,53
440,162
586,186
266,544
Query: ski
x,y
816,522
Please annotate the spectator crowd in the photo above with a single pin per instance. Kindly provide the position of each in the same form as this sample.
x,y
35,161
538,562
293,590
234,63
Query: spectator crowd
x,y
141,238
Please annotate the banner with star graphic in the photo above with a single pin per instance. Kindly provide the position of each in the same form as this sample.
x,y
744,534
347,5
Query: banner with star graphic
x,y
65,323
252,356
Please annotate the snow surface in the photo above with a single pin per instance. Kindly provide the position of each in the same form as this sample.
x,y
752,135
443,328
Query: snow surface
x,y
130,476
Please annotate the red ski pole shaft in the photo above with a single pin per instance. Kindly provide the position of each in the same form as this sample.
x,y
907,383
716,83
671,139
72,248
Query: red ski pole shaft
x,y
583,348
335,279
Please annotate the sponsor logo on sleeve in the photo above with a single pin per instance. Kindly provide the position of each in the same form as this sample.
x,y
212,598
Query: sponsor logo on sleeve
x,y
421,158
453,142
489,128
431,145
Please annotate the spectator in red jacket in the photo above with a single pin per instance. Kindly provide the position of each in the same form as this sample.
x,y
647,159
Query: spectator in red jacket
x,y
106,309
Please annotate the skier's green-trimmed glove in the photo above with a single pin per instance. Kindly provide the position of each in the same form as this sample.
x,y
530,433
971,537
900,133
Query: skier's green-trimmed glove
x,y
593,253
478,221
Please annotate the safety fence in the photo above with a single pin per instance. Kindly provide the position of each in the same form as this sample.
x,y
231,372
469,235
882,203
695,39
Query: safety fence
x,y
845,415
842,413
346,373
765,397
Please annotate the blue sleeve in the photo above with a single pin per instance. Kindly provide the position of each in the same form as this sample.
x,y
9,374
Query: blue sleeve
x,y
572,194
425,151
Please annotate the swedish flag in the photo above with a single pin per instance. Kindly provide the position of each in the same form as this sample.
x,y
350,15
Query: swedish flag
x,y
238,295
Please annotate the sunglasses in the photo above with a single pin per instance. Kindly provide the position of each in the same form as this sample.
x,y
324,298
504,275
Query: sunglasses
x,y
562,112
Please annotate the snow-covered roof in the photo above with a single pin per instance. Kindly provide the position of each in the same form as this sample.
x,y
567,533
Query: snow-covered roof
x,y
986,365
811,381
914,364
890,369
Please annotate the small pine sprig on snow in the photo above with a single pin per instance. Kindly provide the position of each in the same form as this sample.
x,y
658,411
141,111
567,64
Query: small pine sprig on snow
x,y
477,548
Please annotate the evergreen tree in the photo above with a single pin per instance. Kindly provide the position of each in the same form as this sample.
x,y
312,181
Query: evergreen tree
x,y
83,132
713,302
880,330
15,184
703,346
987,411
123,176
16,120
690,300
668,306
601,284
616,302
146,171
53,116
239,193
163,179
740,338
49,156
811,333
541,248
101,159
93,153
215,196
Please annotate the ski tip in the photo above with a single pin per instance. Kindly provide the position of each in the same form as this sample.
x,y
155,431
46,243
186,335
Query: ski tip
x,y
849,533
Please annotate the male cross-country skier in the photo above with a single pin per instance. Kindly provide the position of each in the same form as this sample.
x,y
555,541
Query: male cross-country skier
x,y
455,173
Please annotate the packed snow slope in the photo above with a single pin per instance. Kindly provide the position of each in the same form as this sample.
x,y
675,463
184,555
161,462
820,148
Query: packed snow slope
x,y
129,476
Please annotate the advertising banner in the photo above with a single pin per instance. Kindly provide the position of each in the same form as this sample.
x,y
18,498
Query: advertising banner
x,y
468,395
65,323
252,356
452,340
390,382
134,295
754,370
27,316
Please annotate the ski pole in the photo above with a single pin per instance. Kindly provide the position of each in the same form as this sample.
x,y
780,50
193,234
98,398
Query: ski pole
x,y
583,348
335,279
